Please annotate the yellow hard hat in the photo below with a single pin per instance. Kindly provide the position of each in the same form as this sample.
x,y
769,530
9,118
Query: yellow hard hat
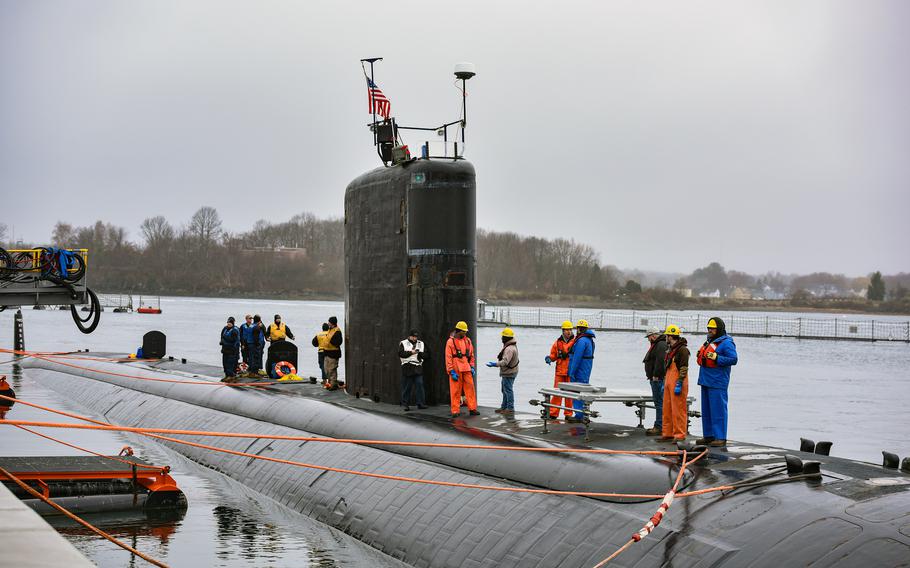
x,y
461,326
672,330
582,323
567,325
507,332
712,324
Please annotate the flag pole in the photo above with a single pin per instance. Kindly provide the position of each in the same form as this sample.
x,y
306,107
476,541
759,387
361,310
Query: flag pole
x,y
371,61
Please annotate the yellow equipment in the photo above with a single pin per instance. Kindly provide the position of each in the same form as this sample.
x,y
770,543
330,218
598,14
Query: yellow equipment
x,y
672,330
507,332
567,325
712,324
461,326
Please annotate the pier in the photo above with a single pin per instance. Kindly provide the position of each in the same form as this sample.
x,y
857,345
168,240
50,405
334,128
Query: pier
x,y
738,325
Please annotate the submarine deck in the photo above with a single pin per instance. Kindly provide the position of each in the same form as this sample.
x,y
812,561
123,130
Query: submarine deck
x,y
738,460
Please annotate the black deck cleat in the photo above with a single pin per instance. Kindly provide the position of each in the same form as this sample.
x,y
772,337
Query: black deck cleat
x,y
905,465
889,460
812,468
823,448
806,445
794,465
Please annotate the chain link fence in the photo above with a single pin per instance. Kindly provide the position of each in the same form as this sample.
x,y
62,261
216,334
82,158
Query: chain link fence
x,y
746,325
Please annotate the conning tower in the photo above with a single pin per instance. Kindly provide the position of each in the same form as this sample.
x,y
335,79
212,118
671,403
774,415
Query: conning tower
x,y
410,254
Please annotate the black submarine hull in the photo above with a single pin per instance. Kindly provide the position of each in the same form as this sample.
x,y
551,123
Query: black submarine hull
x,y
859,515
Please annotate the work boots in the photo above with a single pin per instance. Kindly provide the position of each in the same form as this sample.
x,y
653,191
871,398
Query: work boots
x,y
717,443
655,431
704,441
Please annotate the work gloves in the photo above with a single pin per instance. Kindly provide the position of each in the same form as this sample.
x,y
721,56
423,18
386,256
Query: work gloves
x,y
492,364
454,376
678,389
711,355
547,360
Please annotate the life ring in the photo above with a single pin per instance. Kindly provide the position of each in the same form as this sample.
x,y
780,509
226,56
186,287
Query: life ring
x,y
283,368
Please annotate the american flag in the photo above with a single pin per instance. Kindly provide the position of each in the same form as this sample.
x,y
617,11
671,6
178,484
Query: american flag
x,y
378,102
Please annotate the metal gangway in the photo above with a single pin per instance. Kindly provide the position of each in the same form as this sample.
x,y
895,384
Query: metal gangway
x,y
746,325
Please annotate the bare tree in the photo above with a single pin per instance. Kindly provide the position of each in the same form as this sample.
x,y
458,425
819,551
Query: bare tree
x,y
205,225
63,235
3,230
157,231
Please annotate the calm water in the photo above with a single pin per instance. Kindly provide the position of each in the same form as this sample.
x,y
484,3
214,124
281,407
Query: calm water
x,y
782,389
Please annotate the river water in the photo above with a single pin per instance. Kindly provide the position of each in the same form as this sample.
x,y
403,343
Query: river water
x,y
850,393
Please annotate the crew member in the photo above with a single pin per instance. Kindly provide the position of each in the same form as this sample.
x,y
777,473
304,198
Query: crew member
x,y
411,352
320,342
461,370
278,331
581,360
715,357
676,387
230,350
247,342
507,361
258,346
654,373
332,351
559,352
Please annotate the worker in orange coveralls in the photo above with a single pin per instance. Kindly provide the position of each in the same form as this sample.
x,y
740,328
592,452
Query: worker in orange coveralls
x,y
559,352
676,387
461,369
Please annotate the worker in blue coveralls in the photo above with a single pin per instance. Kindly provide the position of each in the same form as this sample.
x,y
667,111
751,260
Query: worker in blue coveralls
x,y
715,358
230,350
581,360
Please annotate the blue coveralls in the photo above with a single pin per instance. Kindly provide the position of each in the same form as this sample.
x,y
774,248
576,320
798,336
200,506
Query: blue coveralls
x,y
714,382
247,343
253,343
230,350
581,360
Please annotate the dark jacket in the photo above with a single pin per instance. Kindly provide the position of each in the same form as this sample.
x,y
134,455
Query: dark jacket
x,y
654,359
679,355
230,340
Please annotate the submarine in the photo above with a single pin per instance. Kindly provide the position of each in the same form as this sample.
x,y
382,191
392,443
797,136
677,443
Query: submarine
x,y
490,490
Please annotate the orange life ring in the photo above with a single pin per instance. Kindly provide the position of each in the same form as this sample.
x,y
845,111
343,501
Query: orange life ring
x,y
281,365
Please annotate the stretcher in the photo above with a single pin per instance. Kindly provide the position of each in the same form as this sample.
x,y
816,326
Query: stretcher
x,y
589,394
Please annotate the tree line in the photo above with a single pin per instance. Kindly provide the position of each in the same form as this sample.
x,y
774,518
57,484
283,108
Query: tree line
x,y
304,256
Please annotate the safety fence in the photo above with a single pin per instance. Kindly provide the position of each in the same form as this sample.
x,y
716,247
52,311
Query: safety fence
x,y
743,325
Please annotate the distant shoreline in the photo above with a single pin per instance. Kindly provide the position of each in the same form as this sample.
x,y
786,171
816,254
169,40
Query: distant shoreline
x,y
701,304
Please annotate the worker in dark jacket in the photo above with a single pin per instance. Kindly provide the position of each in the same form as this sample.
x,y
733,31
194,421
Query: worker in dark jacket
x,y
230,350
715,359
320,342
654,373
278,331
412,352
258,346
247,341
332,354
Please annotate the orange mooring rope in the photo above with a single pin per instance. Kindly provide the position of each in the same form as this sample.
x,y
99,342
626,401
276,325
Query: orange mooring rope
x,y
79,520
661,510
98,425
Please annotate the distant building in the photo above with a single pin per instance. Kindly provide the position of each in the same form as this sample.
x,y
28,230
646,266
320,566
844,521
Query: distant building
x,y
714,294
739,293
684,292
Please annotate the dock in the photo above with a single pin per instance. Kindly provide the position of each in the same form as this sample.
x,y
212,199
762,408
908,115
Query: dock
x,y
27,541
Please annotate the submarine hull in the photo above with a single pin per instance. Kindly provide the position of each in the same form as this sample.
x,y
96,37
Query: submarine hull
x,y
410,256
857,515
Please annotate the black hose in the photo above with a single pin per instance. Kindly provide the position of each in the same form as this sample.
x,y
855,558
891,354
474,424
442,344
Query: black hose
x,y
93,312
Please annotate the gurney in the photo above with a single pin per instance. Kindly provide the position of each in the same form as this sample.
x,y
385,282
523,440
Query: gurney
x,y
589,394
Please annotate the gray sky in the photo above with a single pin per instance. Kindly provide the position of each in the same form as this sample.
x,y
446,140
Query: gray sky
x,y
769,135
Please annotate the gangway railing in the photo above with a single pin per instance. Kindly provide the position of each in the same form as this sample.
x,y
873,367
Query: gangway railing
x,y
743,325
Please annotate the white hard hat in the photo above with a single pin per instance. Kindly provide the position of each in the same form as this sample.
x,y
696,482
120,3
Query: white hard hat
x,y
653,330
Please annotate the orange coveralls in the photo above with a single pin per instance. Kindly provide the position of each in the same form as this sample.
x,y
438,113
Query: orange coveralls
x,y
676,418
460,358
561,346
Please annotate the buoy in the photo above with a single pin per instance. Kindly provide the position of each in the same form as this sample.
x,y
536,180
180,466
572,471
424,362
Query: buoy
x,y
283,368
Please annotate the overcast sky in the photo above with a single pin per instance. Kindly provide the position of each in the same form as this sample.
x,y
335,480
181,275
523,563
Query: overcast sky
x,y
767,135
